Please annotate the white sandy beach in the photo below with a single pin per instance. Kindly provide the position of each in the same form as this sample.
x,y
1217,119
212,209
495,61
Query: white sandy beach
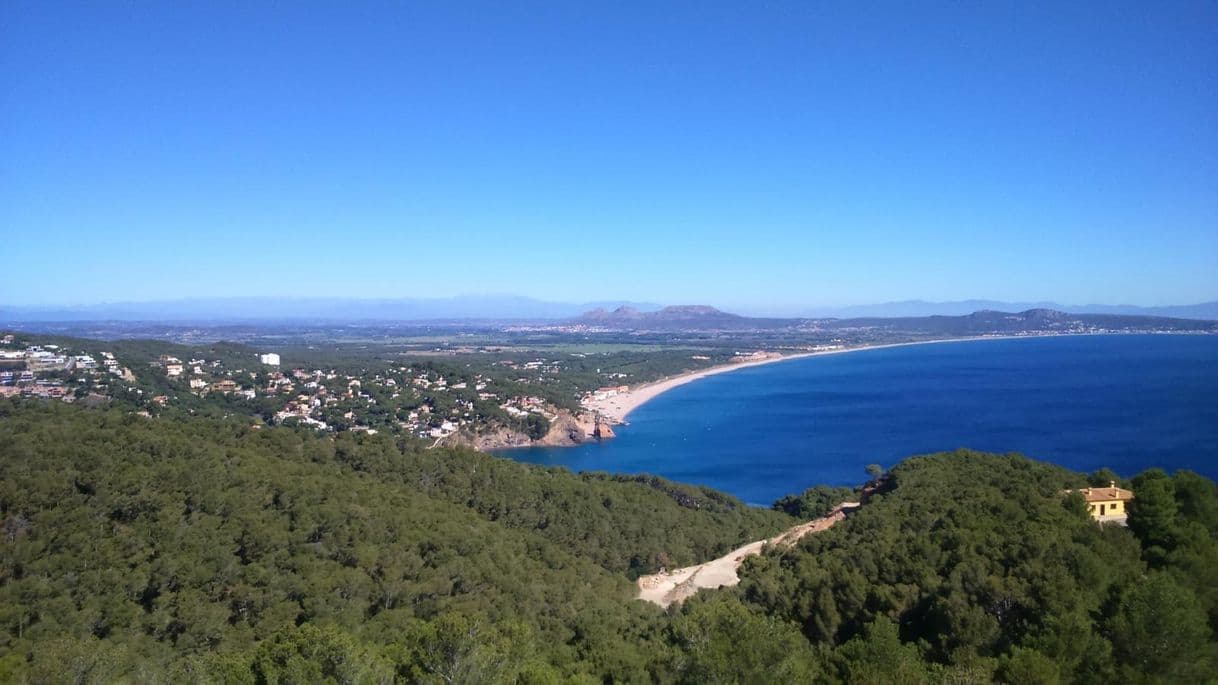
x,y
615,409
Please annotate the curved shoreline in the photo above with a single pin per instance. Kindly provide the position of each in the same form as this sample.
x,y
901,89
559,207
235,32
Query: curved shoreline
x,y
615,409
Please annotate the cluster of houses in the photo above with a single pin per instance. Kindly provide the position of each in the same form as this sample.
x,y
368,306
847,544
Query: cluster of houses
x,y
39,358
417,399
605,392
203,377
536,371
754,356
51,371
521,407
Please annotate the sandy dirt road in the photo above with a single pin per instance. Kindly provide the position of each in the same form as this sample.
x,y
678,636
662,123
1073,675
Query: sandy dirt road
x,y
676,586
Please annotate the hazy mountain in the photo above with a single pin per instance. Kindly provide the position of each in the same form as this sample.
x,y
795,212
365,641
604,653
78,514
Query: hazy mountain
x,y
1203,310
906,308
679,313
986,321
686,317
1039,320
317,308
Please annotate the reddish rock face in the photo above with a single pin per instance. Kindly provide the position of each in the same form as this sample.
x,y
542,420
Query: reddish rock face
x,y
602,430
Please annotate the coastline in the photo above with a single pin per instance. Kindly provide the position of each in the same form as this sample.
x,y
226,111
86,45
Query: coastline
x,y
617,408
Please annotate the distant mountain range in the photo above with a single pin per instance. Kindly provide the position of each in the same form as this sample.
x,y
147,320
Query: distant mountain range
x,y
463,307
703,318
512,307
700,315
1204,310
687,317
1039,320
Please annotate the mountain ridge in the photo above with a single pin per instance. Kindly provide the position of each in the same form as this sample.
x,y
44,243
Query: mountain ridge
x,y
487,307
1201,310
687,316
515,307
1040,319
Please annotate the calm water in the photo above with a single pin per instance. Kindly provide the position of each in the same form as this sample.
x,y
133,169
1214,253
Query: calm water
x,y
1126,402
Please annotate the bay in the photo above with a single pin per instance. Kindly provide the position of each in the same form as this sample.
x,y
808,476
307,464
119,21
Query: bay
x,y
1128,402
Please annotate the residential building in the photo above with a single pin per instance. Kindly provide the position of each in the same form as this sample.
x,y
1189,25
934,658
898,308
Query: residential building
x,y
1107,505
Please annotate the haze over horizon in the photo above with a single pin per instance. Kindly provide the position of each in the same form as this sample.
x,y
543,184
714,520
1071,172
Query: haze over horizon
x,y
509,306
764,159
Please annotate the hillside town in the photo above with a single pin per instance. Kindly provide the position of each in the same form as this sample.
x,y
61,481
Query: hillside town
x,y
422,400
427,400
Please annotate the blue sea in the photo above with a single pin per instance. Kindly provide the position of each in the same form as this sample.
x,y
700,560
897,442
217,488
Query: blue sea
x,y
1128,402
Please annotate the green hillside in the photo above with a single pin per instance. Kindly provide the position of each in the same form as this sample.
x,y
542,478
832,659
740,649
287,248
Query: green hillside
x,y
204,550
969,567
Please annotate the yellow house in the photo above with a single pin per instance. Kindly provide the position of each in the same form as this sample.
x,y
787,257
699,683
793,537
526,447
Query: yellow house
x,y
1107,504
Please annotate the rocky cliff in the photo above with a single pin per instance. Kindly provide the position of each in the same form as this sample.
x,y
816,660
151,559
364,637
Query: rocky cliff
x,y
566,429
602,430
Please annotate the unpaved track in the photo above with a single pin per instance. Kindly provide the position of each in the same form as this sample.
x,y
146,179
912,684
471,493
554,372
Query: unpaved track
x,y
678,585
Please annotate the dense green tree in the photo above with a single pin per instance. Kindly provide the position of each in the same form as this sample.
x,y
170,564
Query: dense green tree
x,y
1177,522
1161,633
309,654
722,641
1152,513
536,426
878,657
1076,504
1029,667
1103,477
814,502
1197,499
458,649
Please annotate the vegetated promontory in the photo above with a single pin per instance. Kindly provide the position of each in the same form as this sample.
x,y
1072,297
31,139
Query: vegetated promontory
x,y
204,550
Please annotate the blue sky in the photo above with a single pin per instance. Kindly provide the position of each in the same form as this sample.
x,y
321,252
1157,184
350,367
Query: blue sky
x,y
763,156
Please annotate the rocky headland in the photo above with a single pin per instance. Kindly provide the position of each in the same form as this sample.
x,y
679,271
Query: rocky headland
x,y
567,429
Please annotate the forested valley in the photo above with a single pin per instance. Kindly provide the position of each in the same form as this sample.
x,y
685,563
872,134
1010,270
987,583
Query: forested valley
x,y
210,550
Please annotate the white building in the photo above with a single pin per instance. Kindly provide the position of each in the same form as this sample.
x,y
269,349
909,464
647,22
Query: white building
x,y
269,358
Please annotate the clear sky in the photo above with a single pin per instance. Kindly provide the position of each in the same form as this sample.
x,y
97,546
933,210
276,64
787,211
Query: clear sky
x,y
751,155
